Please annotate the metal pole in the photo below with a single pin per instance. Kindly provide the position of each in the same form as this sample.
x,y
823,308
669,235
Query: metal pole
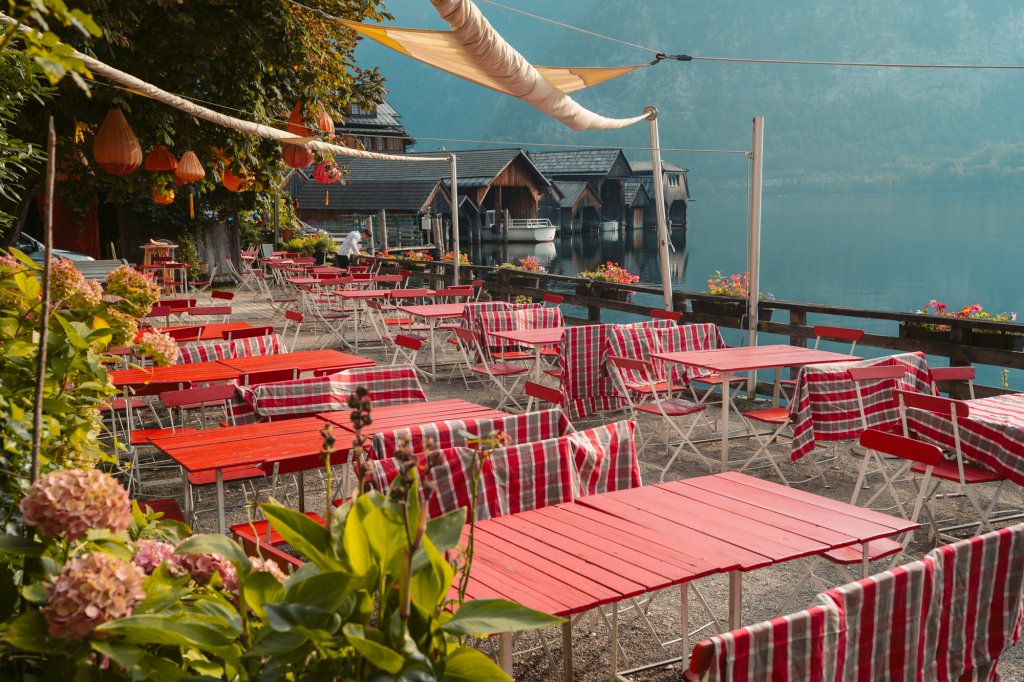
x,y
455,220
659,204
754,239
44,323
277,219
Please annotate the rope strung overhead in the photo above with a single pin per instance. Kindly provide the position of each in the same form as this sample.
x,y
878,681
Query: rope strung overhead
x,y
145,89
474,51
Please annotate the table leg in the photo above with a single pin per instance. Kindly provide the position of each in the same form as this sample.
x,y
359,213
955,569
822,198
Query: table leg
x,y
726,403
221,519
735,599
684,619
777,388
433,349
187,495
865,553
615,641
302,491
567,672
505,652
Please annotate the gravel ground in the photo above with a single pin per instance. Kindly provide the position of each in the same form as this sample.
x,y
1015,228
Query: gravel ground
x,y
765,590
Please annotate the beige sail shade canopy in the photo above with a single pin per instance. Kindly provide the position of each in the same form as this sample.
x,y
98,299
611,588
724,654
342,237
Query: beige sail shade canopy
x,y
473,50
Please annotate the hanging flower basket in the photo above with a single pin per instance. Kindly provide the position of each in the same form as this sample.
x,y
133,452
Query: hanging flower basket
x,y
973,337
728,307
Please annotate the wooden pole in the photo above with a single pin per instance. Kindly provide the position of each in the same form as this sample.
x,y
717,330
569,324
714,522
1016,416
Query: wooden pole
x,y
659,207
453,162
44,324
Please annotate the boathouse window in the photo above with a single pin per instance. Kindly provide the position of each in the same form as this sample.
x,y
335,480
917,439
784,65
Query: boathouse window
x,y
673,180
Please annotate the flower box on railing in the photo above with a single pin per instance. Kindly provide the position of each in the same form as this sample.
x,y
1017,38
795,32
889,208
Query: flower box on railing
x,y
597,290
972,337
727,307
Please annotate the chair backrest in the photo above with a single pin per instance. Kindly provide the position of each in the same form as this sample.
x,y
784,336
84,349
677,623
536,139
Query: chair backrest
x,y
223,295
465,292
967,374
944,407
160,387
186,333
270,376
209,310
659,314
252,332
201,395
542,392
177,303
874,379
901,446
633,373
553,299
403,294
158,311
837,334
294,316
607,459
409,342
800,646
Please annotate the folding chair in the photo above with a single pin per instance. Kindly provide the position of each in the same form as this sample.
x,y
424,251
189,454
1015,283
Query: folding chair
x,y
200,286
245,277
659,314
292,318
874,379
221,295
406,350
828,334
499,373
954,374
659,403
962,474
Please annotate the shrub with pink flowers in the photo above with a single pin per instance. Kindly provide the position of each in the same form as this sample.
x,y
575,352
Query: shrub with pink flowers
x,y
528,264
89,591
449,257
973,311
69,288
737,285
73,501
159,346
136,292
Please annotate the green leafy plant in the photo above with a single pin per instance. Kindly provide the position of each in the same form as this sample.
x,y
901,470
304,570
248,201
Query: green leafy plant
x,y
115,595
188,252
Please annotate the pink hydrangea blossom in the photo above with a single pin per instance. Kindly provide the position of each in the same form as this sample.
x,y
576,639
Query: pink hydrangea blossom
x,y
69,288
151,553
268,565
202,567
73,501
160,346
91,590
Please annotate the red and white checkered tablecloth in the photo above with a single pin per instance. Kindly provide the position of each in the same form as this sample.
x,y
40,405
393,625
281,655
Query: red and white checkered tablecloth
x,y
607,461
824,406
799,647
270,344
521,428
393,385
586,384
992,435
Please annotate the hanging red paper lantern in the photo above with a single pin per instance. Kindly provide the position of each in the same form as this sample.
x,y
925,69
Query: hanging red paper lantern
x,y
160,159
235,183
327,172
116,149
163,197
296,156
325,121
297,126
189,169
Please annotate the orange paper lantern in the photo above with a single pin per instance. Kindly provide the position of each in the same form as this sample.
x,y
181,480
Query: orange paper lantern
x,y
163,198
159,159
189,169
296,156
116,149
235,183
324,121
295,123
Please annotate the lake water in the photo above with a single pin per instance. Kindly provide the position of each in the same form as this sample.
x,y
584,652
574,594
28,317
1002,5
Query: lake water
x,y
887,252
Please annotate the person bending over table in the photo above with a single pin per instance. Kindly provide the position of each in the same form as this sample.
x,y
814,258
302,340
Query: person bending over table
x,y
350,247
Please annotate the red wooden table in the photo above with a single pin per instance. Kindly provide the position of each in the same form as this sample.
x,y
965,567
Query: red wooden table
x,y
198,372
432,313
303,361
391,417
211,332
605,548
728,361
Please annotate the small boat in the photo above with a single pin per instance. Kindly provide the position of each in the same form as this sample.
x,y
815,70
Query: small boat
x,y
530,230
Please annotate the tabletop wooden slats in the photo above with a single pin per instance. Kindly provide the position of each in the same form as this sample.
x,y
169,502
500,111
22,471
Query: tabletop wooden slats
x,y
748,358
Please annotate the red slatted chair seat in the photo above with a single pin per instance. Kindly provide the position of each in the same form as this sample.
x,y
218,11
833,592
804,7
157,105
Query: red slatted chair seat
x,y
121,404
502,369
948,471
673,407
169,507
771,415
853,554
144,436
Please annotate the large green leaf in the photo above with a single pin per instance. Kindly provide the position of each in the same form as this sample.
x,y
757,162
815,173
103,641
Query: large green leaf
x,y
137,663
262,588
430,583
29,633
320,624
466,664
378,654
492,616
444,531
216,544
327,590
21,546
304,535
174,631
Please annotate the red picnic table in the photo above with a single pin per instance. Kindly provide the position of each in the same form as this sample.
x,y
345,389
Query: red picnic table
x,y
432,313
211,332
253,446
605,548
728,361
197,373
301,361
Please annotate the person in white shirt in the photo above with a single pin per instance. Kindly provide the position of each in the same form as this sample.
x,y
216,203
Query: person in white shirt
x,y
349,247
